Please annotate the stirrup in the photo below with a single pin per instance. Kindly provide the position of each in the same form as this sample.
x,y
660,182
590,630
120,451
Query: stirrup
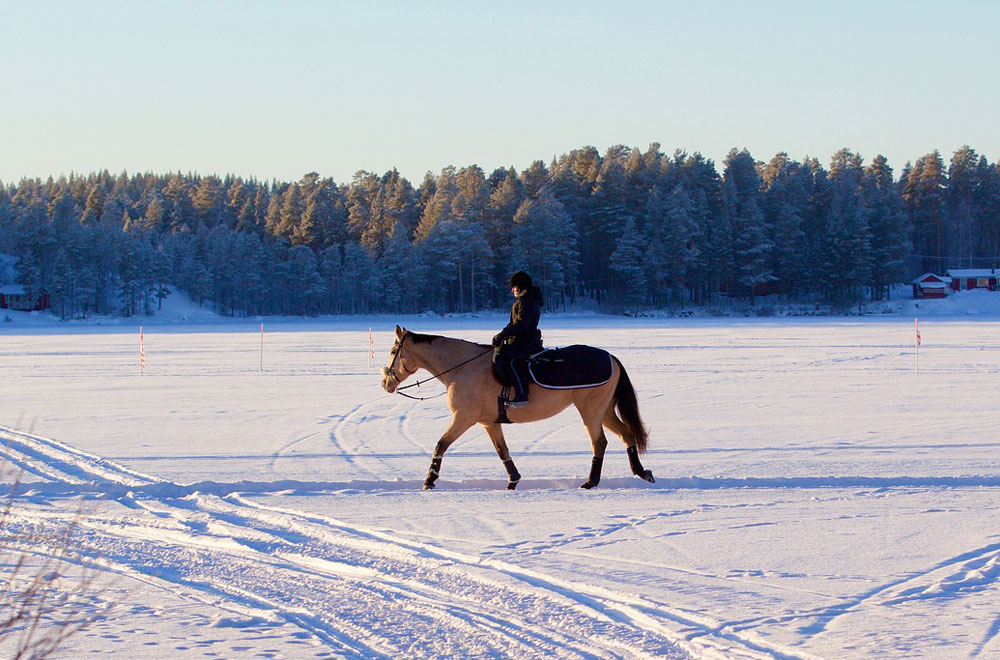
x,y
520,399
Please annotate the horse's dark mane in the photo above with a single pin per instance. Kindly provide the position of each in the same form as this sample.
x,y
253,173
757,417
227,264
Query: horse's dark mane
x,y
418,338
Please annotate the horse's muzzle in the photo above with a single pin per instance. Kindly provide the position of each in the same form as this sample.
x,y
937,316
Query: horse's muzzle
x,y
389,381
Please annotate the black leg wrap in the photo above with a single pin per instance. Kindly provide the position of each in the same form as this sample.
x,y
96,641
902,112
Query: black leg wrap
x,y
433,473
595,472
633,460
636,465
513,475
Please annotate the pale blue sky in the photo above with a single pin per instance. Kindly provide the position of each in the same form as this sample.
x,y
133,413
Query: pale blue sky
x,y
278,89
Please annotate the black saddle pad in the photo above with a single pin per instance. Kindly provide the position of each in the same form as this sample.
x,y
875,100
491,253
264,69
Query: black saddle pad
x,y
571,367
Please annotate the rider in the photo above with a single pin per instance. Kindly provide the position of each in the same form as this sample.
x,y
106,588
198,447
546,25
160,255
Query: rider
x,y
521,338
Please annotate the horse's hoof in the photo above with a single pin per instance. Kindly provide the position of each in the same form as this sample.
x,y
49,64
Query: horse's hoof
x,y
648,476
428,486
512,485
587,485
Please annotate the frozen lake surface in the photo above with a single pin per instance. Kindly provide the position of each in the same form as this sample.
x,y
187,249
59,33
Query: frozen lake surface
x,y
819,493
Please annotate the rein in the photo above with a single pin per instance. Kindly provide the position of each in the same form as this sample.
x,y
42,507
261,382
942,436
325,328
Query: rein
x,y
399,390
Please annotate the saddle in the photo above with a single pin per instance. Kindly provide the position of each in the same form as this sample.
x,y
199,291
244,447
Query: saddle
x,y
573,367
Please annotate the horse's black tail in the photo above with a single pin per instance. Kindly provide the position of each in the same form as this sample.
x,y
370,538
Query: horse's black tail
x,y
628,409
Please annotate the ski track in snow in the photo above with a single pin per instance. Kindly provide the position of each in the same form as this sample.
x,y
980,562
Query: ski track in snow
x,y
312,572
347,439
542,439
361,593
972,571
364,593
404,422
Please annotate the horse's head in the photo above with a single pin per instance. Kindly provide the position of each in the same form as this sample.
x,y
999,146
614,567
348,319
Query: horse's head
x,y
396,371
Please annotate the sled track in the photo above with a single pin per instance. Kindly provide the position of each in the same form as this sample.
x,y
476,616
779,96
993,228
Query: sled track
x,y
366,593
362,593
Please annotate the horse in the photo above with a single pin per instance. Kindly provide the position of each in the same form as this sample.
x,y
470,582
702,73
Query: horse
x,y
466,370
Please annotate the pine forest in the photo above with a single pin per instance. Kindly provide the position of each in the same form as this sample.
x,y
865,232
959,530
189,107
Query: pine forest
x,y
627,231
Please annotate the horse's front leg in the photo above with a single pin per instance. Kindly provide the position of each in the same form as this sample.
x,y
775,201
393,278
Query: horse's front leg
x,y
495,431
455,430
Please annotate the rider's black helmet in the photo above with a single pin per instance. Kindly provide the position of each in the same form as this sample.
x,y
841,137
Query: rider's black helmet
x,y
521,280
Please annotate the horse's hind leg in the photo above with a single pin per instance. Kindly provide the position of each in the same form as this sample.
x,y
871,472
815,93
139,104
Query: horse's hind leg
x,y
617,427
598,442
495,431
457,427
591,404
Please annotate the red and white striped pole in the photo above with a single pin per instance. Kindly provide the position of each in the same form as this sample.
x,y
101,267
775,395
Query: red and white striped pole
x,y
142,353
371,348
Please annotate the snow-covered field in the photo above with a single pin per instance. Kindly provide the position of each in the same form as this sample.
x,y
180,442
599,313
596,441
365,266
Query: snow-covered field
x,y
818,495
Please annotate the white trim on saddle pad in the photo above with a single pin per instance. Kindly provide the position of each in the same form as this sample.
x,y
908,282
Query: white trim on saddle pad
x,y
534,378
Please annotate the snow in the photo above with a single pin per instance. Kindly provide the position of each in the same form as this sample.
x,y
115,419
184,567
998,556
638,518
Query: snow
x,y
822,491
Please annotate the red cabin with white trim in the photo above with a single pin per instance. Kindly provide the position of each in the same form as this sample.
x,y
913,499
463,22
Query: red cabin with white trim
x,y
966,279
930,285
13,296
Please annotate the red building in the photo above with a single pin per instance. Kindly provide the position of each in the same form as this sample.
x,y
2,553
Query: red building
x,y
973,278
13,296
930,285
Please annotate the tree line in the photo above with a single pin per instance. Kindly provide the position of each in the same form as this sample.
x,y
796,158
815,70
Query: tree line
x,y
627,229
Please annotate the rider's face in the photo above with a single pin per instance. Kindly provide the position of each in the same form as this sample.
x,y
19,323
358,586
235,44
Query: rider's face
x,y
516,290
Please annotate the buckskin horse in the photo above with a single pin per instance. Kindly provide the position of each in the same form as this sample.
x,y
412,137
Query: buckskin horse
x,y
465,368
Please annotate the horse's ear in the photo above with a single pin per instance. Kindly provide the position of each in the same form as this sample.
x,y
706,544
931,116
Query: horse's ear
x,y
399,331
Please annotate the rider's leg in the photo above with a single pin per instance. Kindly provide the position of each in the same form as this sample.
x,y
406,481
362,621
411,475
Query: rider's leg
x,y
519,369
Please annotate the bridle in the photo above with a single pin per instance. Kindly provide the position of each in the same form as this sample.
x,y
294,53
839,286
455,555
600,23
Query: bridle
x,y
397,354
